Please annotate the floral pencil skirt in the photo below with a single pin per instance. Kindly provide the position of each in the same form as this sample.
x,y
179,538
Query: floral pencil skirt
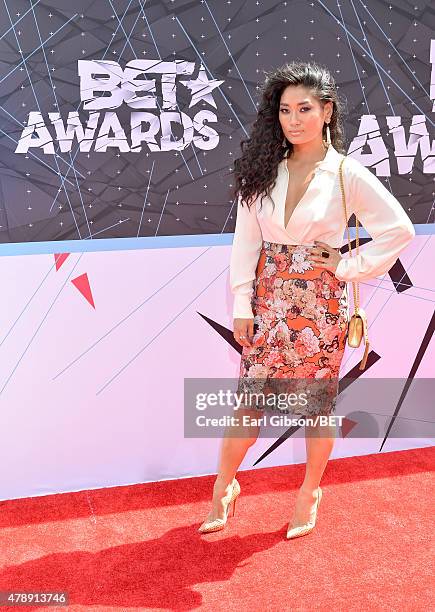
x,y
300,330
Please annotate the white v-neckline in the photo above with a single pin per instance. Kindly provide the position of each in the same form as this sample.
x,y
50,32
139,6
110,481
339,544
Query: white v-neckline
x,y
300,199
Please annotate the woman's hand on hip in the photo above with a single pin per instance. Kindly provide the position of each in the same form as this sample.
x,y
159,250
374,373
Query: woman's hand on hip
x,y
244,331
324,256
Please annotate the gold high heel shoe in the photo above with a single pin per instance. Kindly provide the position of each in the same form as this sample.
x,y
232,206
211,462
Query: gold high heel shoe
x,y
218,524
295,532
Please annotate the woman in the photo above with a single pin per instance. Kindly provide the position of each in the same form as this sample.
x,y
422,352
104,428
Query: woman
x,y
286,271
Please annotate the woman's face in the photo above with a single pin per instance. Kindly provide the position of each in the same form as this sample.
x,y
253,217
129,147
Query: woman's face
x,y
301,112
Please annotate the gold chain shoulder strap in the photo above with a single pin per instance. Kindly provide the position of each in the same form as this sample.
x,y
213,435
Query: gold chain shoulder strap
x,y
354,285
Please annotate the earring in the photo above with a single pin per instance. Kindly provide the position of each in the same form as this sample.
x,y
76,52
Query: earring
x,y
284,142
328,134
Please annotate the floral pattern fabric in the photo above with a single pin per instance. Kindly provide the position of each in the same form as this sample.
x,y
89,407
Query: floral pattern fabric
x,y
300,322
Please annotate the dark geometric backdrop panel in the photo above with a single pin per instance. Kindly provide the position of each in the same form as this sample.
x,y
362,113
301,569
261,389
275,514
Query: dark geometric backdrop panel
x,y
122,118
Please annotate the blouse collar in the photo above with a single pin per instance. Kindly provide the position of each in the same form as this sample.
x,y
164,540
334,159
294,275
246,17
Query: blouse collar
x,y
330,162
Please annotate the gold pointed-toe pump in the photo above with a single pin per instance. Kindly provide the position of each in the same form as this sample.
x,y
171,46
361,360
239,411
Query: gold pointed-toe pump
x,y
301,530
219,523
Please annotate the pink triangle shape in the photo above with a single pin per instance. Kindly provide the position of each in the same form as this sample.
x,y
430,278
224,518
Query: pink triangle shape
x,y
59,258
82,284
347,426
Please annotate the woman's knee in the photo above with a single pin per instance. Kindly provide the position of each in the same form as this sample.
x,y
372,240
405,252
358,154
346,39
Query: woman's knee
x,y
246,428
241,436
320,431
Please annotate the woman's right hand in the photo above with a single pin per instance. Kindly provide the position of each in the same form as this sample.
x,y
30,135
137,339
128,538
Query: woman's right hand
x,y
244,331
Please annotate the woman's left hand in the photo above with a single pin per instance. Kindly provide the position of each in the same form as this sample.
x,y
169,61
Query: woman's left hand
x,y
319,260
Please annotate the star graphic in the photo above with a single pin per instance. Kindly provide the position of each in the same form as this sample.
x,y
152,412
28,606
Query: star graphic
x,y
201,88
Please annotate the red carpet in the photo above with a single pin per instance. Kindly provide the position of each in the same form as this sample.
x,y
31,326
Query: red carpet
x,y
137,547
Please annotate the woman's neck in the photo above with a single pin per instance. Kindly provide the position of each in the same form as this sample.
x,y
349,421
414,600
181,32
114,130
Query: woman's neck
x,y
308,153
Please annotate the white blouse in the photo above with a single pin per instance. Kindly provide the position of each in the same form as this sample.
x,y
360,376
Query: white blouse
x,y
319,215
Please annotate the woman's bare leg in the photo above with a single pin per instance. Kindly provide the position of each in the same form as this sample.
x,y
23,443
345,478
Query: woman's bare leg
x,y
319,442
235,444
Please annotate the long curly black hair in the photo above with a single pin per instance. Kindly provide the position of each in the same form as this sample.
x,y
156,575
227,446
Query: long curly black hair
x,y
256,170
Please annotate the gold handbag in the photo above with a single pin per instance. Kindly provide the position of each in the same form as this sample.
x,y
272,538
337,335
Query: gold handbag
x,y
357,325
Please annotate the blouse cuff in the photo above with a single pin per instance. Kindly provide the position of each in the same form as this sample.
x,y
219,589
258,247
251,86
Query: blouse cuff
x,y
347,268
242,308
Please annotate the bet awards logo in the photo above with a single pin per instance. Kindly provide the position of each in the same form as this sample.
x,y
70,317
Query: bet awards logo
x,y
105,86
